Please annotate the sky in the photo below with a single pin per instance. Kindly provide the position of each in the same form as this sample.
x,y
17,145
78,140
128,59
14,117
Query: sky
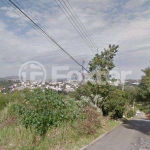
x,y
121,22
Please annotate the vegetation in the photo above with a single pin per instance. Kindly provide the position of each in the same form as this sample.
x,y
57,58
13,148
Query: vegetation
x,y
105,97
130,113
143,91
115,105
144,87
5,99
51,121
145,108
5,84
41,110
46,119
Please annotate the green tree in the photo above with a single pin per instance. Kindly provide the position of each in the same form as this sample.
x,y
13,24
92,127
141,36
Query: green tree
x,y
144,87
111,100
115,104
102,64
98,91
143,94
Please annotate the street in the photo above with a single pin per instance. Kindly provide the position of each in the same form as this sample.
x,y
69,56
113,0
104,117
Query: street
x,y
132,135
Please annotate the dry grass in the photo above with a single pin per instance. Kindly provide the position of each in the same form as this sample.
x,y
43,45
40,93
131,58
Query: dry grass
x,y
9,122
148,116
91,124
71,136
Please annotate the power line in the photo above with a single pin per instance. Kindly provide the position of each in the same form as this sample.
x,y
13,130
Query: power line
x,y
44,32
29,22
76,28
80,23
22,16
18,3
73,22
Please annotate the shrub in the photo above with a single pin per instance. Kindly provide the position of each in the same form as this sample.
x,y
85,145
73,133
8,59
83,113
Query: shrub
x,y
145,108
90,122
3,101
9,97
114,107
43,109
130,113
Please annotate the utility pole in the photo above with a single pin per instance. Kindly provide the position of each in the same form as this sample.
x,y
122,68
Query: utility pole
x,y
82,71
97,50
123,86
133,106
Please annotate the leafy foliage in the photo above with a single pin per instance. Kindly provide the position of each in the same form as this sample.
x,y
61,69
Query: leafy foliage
x,y
115,104
130,94
105,60
145,108
9,97
102,64
114,107
43,109
143,91
104,96
144,87
130,113
3,101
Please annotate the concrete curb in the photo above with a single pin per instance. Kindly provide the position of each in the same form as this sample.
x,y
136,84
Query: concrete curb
x,y
97,139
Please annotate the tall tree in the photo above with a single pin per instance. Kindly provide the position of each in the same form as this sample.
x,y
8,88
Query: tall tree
x,y
144,91
99,92
102,63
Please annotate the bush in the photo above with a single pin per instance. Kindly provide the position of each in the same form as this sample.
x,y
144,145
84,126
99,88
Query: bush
x,y
114,107
3,101
9,97
90,122
130,113
43,109
145,108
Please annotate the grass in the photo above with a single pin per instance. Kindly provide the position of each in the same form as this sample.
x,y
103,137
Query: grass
x,y
62,138
70,136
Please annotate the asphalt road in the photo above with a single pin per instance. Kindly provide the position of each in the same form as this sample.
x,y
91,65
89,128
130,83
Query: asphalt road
x,y
132,135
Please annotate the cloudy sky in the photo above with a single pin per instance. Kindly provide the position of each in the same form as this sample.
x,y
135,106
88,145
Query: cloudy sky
x,y
122,22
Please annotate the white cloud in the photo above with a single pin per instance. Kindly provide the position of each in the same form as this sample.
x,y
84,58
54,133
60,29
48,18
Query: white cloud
x,y
10,12
108,22
135,4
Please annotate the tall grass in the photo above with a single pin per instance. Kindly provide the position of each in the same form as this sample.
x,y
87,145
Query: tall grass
x,y
68,136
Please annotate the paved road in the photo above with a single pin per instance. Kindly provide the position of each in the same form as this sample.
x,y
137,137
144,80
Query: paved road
x,y
132,135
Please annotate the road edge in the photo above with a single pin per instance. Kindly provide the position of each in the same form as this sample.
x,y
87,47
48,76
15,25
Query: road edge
x,y
98,138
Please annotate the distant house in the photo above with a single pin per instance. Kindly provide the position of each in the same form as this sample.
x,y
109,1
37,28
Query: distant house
x,y
2,89
10,88
135,83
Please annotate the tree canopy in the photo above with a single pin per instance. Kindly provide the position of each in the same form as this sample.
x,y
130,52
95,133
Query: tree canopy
x,y
104,61
144,87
